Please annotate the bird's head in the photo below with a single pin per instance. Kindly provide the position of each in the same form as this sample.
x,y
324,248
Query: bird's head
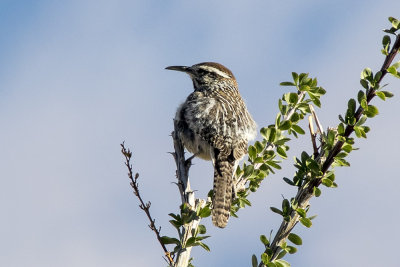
x,y
207,74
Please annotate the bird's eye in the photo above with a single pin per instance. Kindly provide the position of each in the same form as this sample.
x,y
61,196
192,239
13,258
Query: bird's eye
x,y
202,72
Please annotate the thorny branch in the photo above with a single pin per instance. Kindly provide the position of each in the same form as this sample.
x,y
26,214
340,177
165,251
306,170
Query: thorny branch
x,y
305,193
144,206
187,196
313,135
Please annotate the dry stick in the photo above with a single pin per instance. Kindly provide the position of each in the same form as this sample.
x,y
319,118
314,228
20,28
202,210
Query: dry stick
x,y
313,135
317,122
305,193
187,196
311,127
144,206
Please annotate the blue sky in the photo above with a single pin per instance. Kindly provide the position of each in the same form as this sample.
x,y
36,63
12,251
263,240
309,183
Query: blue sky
x,y
79,77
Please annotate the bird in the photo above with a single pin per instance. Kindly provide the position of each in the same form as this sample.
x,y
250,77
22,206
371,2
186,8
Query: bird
x,y
214,124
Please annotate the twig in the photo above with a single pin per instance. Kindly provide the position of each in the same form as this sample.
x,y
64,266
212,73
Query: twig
x,y
313,135
144,206
317,122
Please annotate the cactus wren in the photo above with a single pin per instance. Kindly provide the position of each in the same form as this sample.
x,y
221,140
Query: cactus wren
x,y
214,124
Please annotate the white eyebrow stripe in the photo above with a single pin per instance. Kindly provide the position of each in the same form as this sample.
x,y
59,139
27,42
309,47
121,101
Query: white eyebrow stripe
x,y
215,70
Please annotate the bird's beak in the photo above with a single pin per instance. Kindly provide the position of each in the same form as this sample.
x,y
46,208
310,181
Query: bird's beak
x,y
180,68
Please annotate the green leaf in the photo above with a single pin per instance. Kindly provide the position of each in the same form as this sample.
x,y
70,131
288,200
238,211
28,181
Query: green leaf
x,y
288,181
293,98
169,240
254,261
259,146
248,170
364,83
287,84
340,128
343,154
198,238
347,148
273,164
190,242
381,95
295,77
303,77
281,152
391,30
298,129
282,141
395,22
306,222
317,191
176,224
378,76
264,240
371,112
201,244
312,217
366,74
202,229
281,255
388,94
291,249
360,96
282,263
327,182
268,133
304,156
360,132
341,162
265,258
386,40
315,100
286,207
175,216
295,118
252,152
276,210
312,165
396,65
295,239
352,106
361,121
285,125
301,212
364,104
204,212
392,70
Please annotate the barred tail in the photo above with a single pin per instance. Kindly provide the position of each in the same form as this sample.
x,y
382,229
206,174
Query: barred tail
x,y
223,172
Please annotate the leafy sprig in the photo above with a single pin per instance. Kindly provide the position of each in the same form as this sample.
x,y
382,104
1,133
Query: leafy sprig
x,y
318,168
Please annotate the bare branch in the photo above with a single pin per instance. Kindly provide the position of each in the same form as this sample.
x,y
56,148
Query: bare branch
x,y
144,206
313,135
317,122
